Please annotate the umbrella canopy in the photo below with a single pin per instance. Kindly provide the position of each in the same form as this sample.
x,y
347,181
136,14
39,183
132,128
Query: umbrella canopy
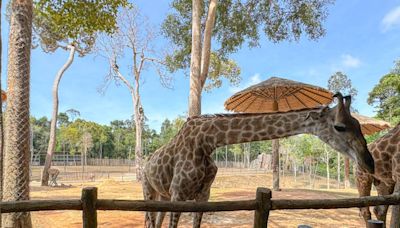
x,y
278,95
370,125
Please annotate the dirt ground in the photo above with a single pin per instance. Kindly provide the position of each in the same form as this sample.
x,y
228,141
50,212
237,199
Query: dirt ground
x,y
227,186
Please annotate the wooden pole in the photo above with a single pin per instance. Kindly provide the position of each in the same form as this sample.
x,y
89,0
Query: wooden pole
x,y
89,212
263,205
374,224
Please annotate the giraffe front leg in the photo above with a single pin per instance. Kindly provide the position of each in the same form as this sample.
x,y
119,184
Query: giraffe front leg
x,y
174,218
395,219
383,189
364,184
204,194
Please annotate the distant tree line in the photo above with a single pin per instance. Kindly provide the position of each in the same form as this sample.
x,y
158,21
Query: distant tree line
x,y
115,140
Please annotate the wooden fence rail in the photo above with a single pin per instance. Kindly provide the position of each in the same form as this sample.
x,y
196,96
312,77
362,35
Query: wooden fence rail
x,y
263,203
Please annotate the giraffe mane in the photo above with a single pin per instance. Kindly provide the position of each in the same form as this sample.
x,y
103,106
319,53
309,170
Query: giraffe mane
x,y
242,114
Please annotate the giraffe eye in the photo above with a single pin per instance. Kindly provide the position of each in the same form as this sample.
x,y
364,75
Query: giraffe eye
x,y
340,128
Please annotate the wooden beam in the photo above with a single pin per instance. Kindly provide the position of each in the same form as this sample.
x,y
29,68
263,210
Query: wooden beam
x,y
39,205
336,203
141,205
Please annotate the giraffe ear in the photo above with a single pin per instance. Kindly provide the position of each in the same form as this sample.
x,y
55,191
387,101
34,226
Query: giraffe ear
x,y
347,102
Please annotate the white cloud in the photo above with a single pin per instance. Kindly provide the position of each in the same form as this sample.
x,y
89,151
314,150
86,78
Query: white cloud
x,y
350,61
391,19
253,80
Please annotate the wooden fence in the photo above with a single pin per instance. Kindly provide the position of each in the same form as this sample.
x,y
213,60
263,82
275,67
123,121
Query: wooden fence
x,y
262,205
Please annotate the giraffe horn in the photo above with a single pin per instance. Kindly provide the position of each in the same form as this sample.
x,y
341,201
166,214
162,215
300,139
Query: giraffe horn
x,y
339,117
347,102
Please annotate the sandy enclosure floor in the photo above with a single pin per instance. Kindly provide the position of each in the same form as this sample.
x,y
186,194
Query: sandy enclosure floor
x,y
226,187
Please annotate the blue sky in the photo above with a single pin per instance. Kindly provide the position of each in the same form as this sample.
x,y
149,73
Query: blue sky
x,y
362,40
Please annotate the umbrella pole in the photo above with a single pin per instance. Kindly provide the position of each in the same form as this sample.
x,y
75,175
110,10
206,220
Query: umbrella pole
x,y
275,164
275,157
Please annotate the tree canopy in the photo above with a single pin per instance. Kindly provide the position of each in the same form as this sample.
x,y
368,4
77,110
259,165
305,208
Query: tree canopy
x,y
386,95
339,82
240,21
59,23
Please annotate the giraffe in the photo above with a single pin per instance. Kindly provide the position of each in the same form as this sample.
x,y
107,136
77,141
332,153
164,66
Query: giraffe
x,y
386,154
184,170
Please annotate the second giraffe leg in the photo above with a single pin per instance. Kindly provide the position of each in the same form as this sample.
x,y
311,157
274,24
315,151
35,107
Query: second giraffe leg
x,y
395,219
204,194
383,189
364,184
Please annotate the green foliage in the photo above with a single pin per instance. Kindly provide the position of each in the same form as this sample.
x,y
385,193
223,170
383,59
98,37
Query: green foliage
x,y
375,136
59,23
63,119
40,134
240,21
386,96
339,82
396,68
219,68
170,128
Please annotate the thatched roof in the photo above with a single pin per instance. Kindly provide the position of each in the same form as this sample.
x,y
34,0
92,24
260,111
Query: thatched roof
x,y
370,125
278,95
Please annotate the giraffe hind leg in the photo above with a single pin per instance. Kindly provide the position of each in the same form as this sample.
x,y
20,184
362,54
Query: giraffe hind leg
x,y
161,215
149,194
383,189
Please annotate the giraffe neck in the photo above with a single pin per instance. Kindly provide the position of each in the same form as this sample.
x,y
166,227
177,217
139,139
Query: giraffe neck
x,y
241,128
387,143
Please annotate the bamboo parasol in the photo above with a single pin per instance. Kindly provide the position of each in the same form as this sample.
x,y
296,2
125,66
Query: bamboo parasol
x,y
278,95
370,125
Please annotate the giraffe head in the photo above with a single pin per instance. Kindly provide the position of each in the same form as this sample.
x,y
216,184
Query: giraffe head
x,y
344,133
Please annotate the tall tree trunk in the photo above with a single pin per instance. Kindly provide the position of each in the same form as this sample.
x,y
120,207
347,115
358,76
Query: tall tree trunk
x,y
327,167
226,156
53,125
17,134
195,61
346,172
201,52
275,165
338,169
310,174
139,116
206,51
295,171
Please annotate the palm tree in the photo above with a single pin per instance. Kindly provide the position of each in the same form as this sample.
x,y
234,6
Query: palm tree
x,y
17,131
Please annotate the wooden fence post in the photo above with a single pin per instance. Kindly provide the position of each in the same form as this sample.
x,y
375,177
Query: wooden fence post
x,y
374,224
263,201
89,212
